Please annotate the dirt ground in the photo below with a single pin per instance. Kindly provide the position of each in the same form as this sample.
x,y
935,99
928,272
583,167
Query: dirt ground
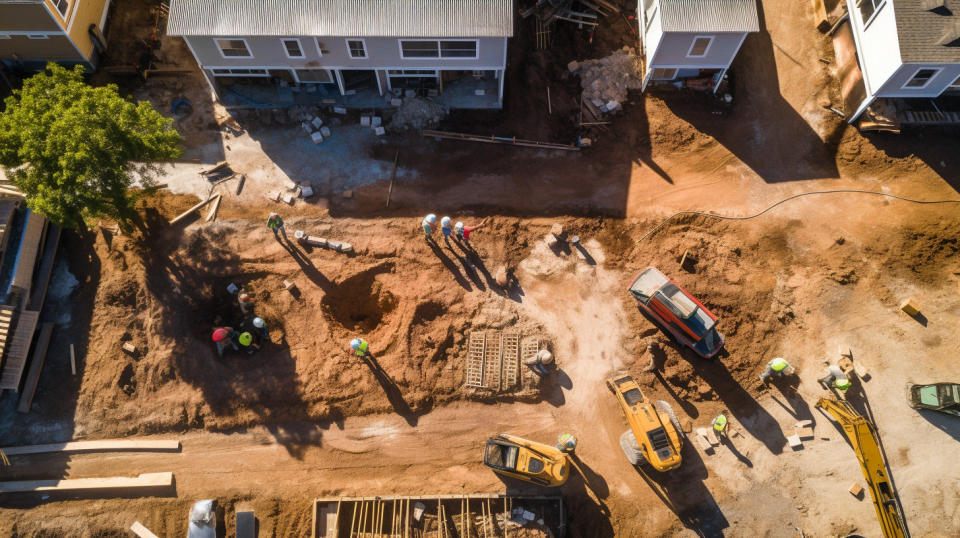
x,y
302,419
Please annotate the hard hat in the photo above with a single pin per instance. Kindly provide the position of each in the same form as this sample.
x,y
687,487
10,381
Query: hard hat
x,y
273,215
258,323
246,339
445,222
843,384
219,334
431,218
544,356
355,344
458,226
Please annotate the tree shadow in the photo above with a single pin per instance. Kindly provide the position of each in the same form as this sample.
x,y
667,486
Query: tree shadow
x,y
683,492
390,389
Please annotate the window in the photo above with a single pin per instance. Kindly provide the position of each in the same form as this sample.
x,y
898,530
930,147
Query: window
x,y
664,73
320,76
234,48
38,36
868,8
955,83
921,78
357,48
412,72
420,49
62,6
438,49
699,47
240,72
292,48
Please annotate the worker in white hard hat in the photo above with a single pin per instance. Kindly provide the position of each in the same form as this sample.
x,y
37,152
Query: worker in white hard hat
x,y
777,367
428,223
261,327
446,228
359,348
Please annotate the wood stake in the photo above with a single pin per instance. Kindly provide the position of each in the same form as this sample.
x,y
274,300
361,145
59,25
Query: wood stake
x,y
212,214
549,103
393,176
73,361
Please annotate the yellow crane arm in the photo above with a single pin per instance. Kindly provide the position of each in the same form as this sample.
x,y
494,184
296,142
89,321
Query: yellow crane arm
x,y
863,437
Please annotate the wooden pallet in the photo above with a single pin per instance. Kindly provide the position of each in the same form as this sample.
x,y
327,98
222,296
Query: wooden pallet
x,y
511,360
529,348
475,359
492,361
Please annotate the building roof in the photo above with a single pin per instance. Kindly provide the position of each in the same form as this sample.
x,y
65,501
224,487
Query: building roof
x,y
348,18
929,32
709,16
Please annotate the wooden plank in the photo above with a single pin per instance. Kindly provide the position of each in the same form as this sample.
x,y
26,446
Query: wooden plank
x,y
110,445
42,280
146,480
73,361
187,213
36,366
141,531
212,214
19,347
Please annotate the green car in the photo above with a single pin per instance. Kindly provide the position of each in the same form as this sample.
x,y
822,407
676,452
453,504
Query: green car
x,y
943,397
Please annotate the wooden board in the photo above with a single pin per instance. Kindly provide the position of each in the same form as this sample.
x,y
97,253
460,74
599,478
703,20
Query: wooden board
x,y
36,366
188,212
17,348
141,531
146,480
95,446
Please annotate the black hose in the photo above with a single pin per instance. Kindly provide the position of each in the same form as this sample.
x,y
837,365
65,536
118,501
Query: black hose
x,y
835,191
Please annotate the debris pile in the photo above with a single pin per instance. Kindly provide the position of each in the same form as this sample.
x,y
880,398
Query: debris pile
x,y
417,113
605,82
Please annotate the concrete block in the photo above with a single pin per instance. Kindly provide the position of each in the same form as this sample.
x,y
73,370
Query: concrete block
x,y
910,307
289,285
288,198
557,230
550,240
306,191
317,137
376,121
339,110
325,131
346,248
794,442
333,245
306,127
856,489
396,102
274,196
315,241
317,122
365,121
379,131
479,92
130,348
804,433
290,185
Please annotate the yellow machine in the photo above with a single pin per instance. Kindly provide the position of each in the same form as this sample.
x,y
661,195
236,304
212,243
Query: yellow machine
x,y
863,437
655,436
532,462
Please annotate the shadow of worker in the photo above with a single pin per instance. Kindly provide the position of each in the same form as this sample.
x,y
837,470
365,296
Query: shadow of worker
x,y
390,389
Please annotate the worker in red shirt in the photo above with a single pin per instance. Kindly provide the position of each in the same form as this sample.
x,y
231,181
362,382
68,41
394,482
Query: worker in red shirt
x,y
463,232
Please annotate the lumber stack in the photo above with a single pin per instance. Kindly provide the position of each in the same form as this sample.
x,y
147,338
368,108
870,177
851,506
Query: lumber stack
x,y
146,480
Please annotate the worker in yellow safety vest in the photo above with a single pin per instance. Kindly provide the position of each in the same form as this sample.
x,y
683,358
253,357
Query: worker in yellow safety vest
x,y
836,379
720,425
778,367
359,348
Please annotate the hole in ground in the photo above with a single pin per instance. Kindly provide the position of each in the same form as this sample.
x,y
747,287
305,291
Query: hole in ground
x,y
360,302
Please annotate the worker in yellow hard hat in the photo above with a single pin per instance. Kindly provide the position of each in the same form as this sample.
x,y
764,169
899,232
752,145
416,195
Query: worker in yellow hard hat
x,y
777,367
359,348
720,425
835,379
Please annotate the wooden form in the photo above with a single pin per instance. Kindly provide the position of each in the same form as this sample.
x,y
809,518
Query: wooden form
x,y
190,211
443,516
36,366
146,480
109,445
513,141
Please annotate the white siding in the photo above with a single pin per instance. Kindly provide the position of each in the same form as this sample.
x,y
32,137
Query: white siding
x,y
894,86
877,45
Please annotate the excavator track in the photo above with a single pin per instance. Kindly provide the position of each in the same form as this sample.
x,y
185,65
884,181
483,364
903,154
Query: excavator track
x,y
866,445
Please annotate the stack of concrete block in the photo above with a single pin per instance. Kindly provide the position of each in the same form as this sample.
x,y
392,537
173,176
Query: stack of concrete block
x,y
306,189
313,125
340,110
804,429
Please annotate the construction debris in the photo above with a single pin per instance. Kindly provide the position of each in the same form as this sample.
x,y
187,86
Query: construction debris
x,y
606,81
910,307
417,113
190,211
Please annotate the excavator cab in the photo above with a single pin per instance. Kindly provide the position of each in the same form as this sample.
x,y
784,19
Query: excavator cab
x,y
655,437
529,461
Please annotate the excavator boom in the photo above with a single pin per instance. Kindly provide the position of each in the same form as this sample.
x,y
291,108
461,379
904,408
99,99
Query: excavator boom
x,y
863,437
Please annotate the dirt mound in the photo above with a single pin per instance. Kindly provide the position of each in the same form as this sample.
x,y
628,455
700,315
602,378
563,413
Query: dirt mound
x,y
360,302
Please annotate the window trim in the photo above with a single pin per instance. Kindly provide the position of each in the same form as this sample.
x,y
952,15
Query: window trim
x,y
264,74
706,51
216,43
440,56
316,43
936,71
38,36
330,73
873,15
67,3
674,69
283,43
366,53
955,84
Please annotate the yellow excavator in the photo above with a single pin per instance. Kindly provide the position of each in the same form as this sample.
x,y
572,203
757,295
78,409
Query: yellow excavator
x,y
655,438
866,445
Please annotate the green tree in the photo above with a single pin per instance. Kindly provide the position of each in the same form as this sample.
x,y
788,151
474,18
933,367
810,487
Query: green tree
x,y
75,150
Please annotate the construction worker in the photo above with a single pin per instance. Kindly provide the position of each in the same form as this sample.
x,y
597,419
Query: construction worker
x,y
720,425
359,348
777,367
246,342
463,232
428,223
445,228
223,337
835,379
538,363
261,327
275,223
246,302
567,443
